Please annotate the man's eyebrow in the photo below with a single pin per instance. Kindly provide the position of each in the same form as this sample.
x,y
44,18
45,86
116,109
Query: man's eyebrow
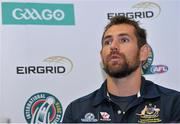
x,y
122,34
107,36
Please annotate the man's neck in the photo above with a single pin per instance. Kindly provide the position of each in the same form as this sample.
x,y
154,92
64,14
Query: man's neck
x,y
127,86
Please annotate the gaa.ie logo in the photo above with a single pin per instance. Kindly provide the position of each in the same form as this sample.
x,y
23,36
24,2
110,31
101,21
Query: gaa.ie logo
x,y
148,68
37,13
33,14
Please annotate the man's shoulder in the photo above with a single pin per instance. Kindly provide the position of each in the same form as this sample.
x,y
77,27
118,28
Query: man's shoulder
x,y
167,91
79,107
87,98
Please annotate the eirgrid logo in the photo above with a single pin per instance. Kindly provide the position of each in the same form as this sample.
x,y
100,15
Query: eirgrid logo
x,y
37,13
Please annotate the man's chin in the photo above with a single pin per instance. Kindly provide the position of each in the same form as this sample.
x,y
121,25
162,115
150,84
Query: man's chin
x,y
115,68
117,75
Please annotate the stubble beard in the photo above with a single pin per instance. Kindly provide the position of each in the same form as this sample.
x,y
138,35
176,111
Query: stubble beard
x,y
123,69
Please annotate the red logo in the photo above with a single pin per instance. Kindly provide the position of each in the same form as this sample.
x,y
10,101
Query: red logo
x,y
105,116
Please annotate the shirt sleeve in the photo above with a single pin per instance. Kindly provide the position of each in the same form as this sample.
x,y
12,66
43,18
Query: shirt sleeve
x,y
176,110
68,114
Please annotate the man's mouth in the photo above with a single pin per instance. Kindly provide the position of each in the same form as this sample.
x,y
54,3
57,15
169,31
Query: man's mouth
x,y
114,58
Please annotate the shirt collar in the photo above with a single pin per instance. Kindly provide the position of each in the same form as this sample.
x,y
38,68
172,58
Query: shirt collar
x,y
148,90
101,94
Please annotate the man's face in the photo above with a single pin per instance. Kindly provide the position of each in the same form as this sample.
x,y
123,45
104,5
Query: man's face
x,y
120,53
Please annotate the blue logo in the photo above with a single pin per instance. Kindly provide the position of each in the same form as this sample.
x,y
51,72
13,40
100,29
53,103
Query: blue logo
x,y
148,68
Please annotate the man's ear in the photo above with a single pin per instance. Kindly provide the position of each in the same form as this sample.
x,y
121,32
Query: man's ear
x,y
144,52
101,53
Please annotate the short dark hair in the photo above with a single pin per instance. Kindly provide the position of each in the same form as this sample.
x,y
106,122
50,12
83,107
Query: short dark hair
x,y
140,33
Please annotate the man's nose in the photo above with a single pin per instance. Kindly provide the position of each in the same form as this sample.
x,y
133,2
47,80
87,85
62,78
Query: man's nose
x,y
114,45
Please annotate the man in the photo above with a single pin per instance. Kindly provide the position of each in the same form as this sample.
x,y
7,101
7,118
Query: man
x,y
125,96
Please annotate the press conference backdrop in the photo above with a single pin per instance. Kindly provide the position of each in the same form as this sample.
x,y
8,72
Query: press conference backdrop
x,y
50,51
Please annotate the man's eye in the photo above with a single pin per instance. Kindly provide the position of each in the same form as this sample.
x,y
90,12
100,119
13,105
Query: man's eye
x,y
123,40
107,42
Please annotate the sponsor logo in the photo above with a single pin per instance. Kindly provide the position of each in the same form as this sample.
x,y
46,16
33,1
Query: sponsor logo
x,y
155,9
89,117
148,68
105,116
43,108
150,113
51,65
142,10
158,69
37,13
